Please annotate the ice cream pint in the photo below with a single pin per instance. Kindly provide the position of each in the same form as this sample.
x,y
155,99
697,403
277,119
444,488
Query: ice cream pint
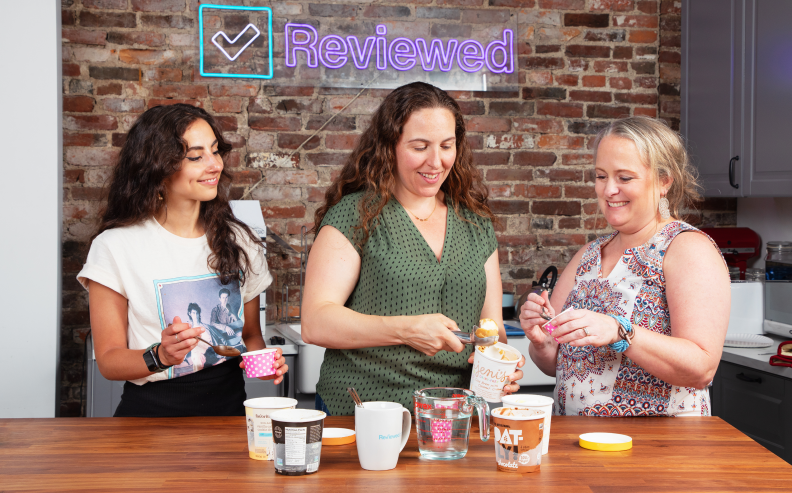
x,y
492,366
297,434
259,424
518,439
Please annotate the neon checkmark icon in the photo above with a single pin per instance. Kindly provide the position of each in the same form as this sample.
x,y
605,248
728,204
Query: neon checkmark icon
x,y
232,41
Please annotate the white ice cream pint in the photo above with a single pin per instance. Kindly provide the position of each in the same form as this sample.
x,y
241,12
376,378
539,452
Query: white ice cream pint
x,y
537,402
259,424
297,434
491,372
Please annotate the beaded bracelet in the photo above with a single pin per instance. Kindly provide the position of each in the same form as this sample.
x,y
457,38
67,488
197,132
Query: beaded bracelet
x,y
625,332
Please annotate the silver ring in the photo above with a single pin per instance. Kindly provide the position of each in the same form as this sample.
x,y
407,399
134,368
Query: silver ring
x,y
586,331
177,339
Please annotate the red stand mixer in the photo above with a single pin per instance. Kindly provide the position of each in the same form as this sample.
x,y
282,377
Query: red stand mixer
x,y
737,245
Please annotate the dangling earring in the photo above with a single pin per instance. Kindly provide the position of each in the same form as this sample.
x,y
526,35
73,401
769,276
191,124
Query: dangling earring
x,y
159,196
665,212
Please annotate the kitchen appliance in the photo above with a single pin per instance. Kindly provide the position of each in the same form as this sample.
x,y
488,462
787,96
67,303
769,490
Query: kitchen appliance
x,y
778,308
778,261
747,308
738,245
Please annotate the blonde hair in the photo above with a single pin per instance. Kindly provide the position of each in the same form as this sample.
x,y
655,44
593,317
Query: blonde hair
x,y
663,151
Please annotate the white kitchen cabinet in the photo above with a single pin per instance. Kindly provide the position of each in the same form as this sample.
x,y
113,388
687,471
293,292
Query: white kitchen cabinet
x,y
737,95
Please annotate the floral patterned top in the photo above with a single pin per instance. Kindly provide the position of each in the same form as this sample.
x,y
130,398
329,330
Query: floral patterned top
x,y
595,381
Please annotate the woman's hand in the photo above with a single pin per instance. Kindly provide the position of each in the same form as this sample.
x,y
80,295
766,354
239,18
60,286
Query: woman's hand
x,y
531,320
178,339
431,334
586,328
280,368
511,387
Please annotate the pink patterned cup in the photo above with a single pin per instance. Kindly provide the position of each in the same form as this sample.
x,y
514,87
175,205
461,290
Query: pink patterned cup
x,y
259,363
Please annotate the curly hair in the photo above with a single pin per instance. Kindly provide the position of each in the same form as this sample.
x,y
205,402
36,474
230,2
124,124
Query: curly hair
x,y
371,166
153,151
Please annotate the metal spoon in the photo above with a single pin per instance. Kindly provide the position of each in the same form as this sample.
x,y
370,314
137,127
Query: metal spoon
x,y
472,338
355,396
227,351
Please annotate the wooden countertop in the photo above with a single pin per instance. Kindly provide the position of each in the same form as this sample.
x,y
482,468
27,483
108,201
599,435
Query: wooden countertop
x,y
210,454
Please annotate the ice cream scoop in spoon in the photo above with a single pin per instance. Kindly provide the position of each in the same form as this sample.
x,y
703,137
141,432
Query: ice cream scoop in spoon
x,y
472,338
227,351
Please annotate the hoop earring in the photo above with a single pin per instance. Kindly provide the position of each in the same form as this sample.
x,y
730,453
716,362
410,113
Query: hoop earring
x,y
665,212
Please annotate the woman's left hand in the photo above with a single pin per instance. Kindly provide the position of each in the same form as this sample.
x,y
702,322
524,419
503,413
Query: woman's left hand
x,y
280,368
511,387
585,328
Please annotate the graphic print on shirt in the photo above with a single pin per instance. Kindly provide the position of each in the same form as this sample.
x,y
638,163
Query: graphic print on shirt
x,y
202,301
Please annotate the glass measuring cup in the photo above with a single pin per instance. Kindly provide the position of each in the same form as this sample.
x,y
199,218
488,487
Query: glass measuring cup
x,y
442,421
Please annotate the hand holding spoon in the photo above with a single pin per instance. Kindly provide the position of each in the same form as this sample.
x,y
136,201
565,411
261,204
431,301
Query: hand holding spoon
x,y
227,351
472,338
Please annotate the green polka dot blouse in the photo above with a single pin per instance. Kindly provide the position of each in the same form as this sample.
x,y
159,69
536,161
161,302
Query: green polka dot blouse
x,y
400,275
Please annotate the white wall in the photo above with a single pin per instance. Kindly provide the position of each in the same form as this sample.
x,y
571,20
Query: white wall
x,y
30,204
771,218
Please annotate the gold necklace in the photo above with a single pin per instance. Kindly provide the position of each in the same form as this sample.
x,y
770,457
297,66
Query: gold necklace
x,y
427,217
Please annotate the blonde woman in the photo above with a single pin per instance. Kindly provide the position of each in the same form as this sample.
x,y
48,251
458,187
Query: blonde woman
x,y
649,306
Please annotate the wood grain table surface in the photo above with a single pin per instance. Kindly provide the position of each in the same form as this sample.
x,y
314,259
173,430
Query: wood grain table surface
x,y
210,454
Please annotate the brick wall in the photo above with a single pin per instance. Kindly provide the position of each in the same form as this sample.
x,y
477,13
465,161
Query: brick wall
x,y
582,63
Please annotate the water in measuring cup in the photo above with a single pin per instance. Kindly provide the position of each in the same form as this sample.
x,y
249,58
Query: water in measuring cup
x,y
442,433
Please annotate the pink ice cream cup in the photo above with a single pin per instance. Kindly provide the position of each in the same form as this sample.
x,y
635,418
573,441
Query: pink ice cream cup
x,y
259,363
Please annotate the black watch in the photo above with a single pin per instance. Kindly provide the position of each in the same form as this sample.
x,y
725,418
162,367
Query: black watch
x,y
152,360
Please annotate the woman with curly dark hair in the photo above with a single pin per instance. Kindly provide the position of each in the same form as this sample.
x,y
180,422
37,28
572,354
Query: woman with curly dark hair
x,y
405,253
168,237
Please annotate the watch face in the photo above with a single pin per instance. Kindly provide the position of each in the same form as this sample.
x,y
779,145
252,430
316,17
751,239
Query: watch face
x,y
151,363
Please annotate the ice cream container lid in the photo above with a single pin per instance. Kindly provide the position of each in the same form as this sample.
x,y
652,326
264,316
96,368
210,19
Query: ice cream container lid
x,y
517,414
270,403
297,415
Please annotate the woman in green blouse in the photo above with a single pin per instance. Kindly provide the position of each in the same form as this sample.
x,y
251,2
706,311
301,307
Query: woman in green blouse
x,y
409,255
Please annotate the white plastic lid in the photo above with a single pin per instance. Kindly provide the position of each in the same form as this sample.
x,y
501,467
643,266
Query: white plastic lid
x,y
297,415
270,403
527,400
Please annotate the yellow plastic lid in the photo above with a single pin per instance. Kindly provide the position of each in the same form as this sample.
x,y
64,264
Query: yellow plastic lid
x,y
337,436
605,442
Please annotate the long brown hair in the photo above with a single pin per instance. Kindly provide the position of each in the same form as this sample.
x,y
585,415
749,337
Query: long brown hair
x,y
152,152
371,165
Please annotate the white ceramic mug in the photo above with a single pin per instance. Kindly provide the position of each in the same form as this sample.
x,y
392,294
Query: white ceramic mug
x,y
382,429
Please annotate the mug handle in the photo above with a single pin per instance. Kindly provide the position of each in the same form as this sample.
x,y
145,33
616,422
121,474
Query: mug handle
x,y
406,427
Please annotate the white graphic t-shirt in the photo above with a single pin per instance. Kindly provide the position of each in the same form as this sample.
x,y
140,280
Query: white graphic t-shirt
x,y
165,276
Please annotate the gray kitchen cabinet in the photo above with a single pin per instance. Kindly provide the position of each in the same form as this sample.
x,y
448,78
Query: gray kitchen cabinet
x,y
737,95
757,403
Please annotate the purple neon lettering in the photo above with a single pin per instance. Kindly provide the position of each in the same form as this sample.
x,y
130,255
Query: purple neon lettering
x,y
402,48
505,47
335,47
436,54
293,45
360,57
382,47
470,56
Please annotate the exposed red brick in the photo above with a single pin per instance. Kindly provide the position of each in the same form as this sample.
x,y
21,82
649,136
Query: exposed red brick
x,y
107,19
587,20
227,105
538,125
577,159
293,141
565,110
488,124
74,176
71,70
294,91
83,36
607,111
190,91
491,158
89,122
540,62
136,38
591,96
537,191
559,239
637,36
588,51
556,208
228,90
148,57
647,6
636,98
650,112
622,53
522,175
280,123
559,142
278,212
163,74
534,158
614,5
608,66
645,21
567,223
620,83
566,79
510,206
246,177
593,81
341,141
557,175
499,191
81,140
81,104
562,4
579,192
158,5
108,89
164,102
119,105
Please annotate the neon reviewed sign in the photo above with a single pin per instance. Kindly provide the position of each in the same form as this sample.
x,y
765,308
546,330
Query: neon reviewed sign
x,y
402,54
